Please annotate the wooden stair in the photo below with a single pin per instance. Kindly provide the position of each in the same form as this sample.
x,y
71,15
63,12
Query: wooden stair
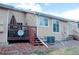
x,y
33,37
37,42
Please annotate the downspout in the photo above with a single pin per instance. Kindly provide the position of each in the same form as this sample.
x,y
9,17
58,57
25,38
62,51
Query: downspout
x,y
7,25
37,25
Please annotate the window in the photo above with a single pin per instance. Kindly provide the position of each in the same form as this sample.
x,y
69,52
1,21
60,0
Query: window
x,y
78,24
55,25
43,21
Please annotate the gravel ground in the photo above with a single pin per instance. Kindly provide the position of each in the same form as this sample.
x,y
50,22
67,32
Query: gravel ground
x,y
27,49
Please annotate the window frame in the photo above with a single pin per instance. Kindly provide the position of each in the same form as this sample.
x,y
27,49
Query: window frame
x,y
55,23
39,20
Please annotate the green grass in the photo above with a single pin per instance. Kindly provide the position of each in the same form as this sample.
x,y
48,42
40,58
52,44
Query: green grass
x,y
63,51
66,51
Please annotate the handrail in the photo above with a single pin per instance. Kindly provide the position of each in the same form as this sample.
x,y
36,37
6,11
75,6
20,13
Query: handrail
x,y
34,32
43,42
21,25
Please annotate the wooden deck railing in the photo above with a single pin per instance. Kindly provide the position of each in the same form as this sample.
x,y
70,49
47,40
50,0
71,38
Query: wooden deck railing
x,y
29,29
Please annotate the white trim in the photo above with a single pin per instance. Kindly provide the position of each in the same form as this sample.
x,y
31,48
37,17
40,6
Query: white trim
x,y
52,27
37,24
41,25
43,42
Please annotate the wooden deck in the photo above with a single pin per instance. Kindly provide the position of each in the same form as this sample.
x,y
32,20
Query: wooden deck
x,y
29,32
30,36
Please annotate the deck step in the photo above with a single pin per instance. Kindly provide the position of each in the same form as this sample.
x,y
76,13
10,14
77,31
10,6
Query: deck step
x,y
37,44
36,38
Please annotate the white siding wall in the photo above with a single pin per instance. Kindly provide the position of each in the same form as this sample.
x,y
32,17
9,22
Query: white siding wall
x,y
71,26
48,31
4,21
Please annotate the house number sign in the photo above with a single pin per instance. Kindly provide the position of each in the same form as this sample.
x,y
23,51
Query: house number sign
x,y
20,32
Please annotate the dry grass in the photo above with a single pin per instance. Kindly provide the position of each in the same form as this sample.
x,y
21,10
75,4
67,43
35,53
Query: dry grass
x,y
66,51
63,51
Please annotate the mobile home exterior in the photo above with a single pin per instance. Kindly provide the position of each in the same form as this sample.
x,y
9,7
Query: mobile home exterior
x,y
46,25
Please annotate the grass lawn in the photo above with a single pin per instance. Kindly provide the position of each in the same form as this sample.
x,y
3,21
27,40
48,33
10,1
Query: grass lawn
x,y
64,51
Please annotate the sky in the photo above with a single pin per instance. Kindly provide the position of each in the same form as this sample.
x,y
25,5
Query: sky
x,y
65,10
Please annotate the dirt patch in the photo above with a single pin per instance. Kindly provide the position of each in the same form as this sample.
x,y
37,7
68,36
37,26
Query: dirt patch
x,y
21,48
28,49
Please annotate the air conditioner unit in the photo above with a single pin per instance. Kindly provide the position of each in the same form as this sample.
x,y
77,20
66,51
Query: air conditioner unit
x,y
50,39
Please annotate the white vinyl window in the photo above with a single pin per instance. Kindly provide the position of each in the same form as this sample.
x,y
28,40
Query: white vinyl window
x,y
43,21
55,24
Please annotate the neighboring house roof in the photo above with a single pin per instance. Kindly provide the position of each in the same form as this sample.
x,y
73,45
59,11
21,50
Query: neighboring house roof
x,y
34,12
